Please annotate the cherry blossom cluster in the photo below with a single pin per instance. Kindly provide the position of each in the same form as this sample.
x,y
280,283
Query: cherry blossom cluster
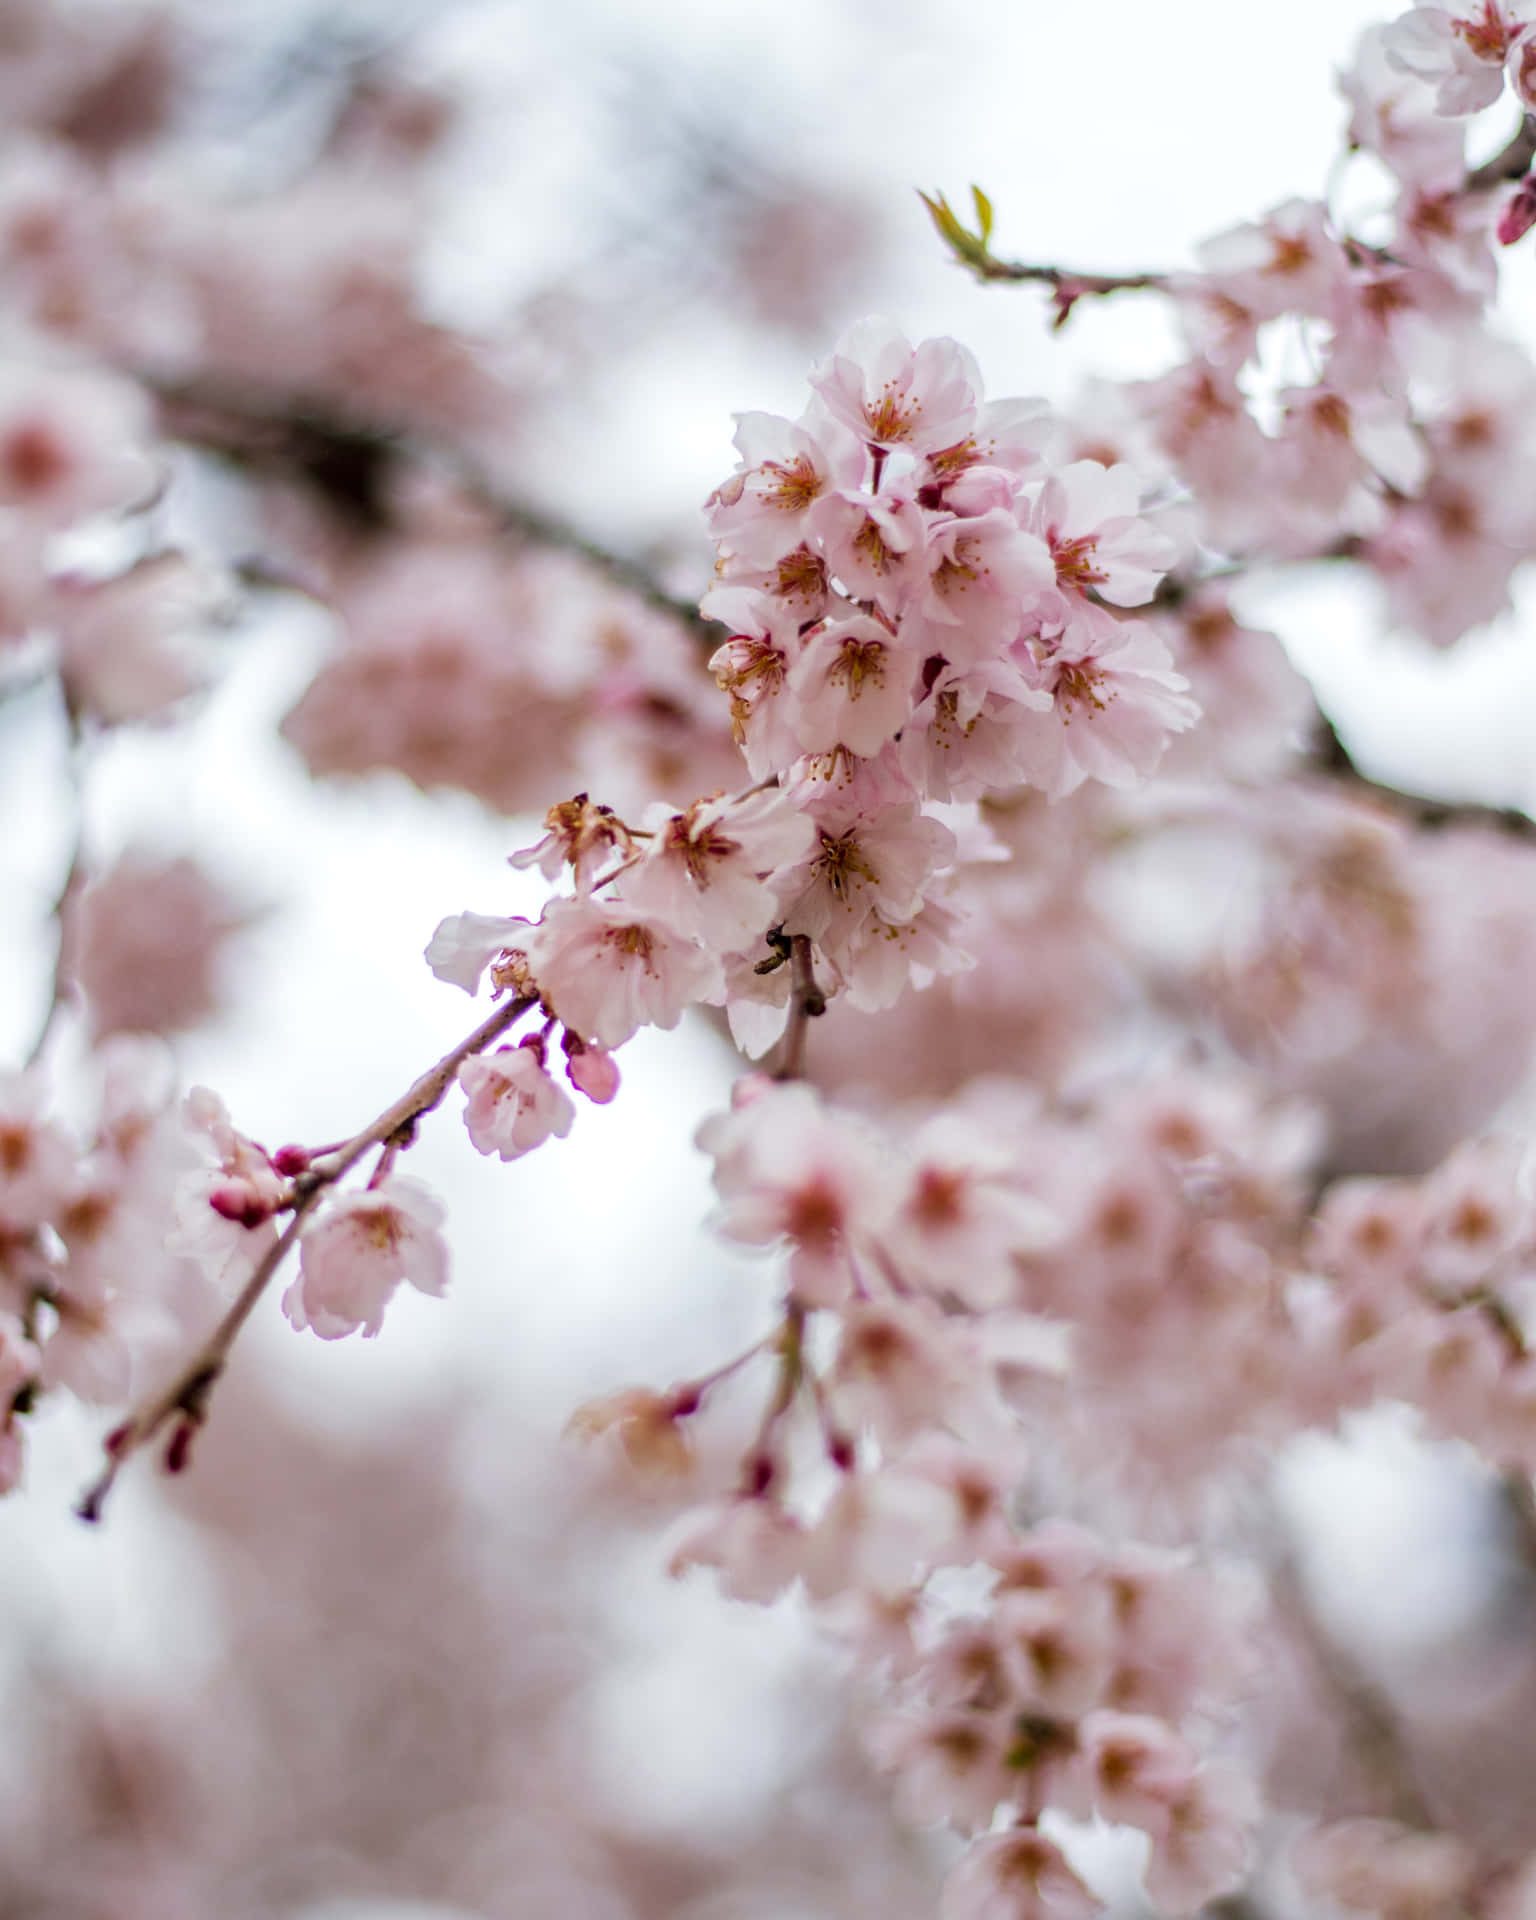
x,y
506,674
1347,395
923,614
1082,1194
1060,1675
1430,1295
94,1292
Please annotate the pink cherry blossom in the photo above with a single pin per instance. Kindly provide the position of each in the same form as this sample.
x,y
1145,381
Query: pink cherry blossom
x,y
862,870
752,667
1017,1875
1393,115
608,969
465,944
582,836
72,443
787,1169
707,871
355,1253
1459,49
893,395
1089,518
36,1160
852,687
760,513
513,1104
873,544
986,575
1117,701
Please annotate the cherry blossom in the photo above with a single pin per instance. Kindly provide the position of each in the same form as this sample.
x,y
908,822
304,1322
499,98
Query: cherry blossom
x,y
1116,701
1018,1875
608,969
1130,1056
352,1258
1459,49
704,870
894,395
513,1104
760,513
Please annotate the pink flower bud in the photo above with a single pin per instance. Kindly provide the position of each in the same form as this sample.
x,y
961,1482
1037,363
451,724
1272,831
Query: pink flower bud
x,y
239,1201
593,1070
291,1161
178,1453
1519,216
758,1475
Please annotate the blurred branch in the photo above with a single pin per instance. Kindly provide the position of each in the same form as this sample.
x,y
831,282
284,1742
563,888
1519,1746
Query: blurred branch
x,y
1509,163
74,879
1370,1724
185,1400
807,1002
1333,758
352,464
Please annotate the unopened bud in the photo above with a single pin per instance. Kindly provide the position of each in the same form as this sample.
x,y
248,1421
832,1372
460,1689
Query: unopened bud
x,y
291,1161
237,1200
1519,216
592,1070
757,1475
178,1454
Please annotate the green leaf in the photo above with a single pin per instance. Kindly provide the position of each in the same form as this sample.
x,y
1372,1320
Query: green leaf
x,y
943,217
983,214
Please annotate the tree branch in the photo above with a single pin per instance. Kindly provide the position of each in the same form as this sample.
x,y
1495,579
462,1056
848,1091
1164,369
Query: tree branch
x,y
1371,1727
1509,163
350,464
185,1400
1333,758
74,879
807,1002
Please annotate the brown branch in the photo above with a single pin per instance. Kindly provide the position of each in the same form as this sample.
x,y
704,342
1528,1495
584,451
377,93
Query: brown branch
x,y
351,465
1371,1726
185,1400
74,880
807,1002
1067,283
1333,758
1509,163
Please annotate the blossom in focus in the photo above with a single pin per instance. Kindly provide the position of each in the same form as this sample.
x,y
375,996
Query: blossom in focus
x,y
513,1104
706,869
608,969
894,395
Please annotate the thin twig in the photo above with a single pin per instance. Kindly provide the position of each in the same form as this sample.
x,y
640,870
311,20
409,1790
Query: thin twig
x,y
1068,283
807,1002
74,879
185,1400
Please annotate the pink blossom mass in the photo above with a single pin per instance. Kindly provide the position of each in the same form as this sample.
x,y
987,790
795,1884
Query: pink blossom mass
x,y
983,1136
